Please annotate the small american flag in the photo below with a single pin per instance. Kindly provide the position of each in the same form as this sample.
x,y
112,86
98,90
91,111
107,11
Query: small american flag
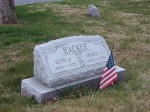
x,y
109,74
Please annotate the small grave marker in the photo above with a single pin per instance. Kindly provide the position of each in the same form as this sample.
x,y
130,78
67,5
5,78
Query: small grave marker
x,y
93,11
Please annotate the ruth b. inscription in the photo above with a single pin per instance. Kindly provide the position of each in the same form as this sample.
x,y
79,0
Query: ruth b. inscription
x,y
63,63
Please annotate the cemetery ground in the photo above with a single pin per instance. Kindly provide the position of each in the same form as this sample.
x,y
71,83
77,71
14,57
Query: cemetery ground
x,y
124,23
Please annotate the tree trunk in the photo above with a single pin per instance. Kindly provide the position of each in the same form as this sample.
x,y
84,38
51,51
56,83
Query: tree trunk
x,y
7,12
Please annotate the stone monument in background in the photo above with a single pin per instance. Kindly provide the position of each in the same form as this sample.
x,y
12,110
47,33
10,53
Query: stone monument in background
x,y
93,11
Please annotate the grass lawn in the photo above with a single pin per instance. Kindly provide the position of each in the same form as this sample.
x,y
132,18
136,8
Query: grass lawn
x,y
124,23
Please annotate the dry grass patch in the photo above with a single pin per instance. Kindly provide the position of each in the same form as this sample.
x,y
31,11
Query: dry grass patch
x,y
67,11
129,18
91,103
15,53
143,48
36,8
62,10
140,103
133,19
115,36
94,29
134,53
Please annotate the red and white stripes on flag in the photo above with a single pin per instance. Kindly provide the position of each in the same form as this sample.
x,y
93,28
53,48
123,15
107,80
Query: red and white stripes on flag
x,y
109,74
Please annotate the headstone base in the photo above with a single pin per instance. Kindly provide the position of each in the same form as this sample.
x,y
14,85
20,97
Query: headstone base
x,y
33,88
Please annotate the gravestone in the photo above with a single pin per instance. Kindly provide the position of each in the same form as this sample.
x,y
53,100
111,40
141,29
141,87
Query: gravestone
x,y
93,11
68,62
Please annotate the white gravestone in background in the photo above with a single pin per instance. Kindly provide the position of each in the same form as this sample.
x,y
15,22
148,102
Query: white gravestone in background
x,y
70,61
93,11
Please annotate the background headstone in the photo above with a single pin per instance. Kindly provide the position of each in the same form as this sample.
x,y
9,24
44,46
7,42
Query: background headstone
x,y
93,11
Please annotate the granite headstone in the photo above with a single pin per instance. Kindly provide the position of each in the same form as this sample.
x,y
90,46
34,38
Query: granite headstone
x,y
71,61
